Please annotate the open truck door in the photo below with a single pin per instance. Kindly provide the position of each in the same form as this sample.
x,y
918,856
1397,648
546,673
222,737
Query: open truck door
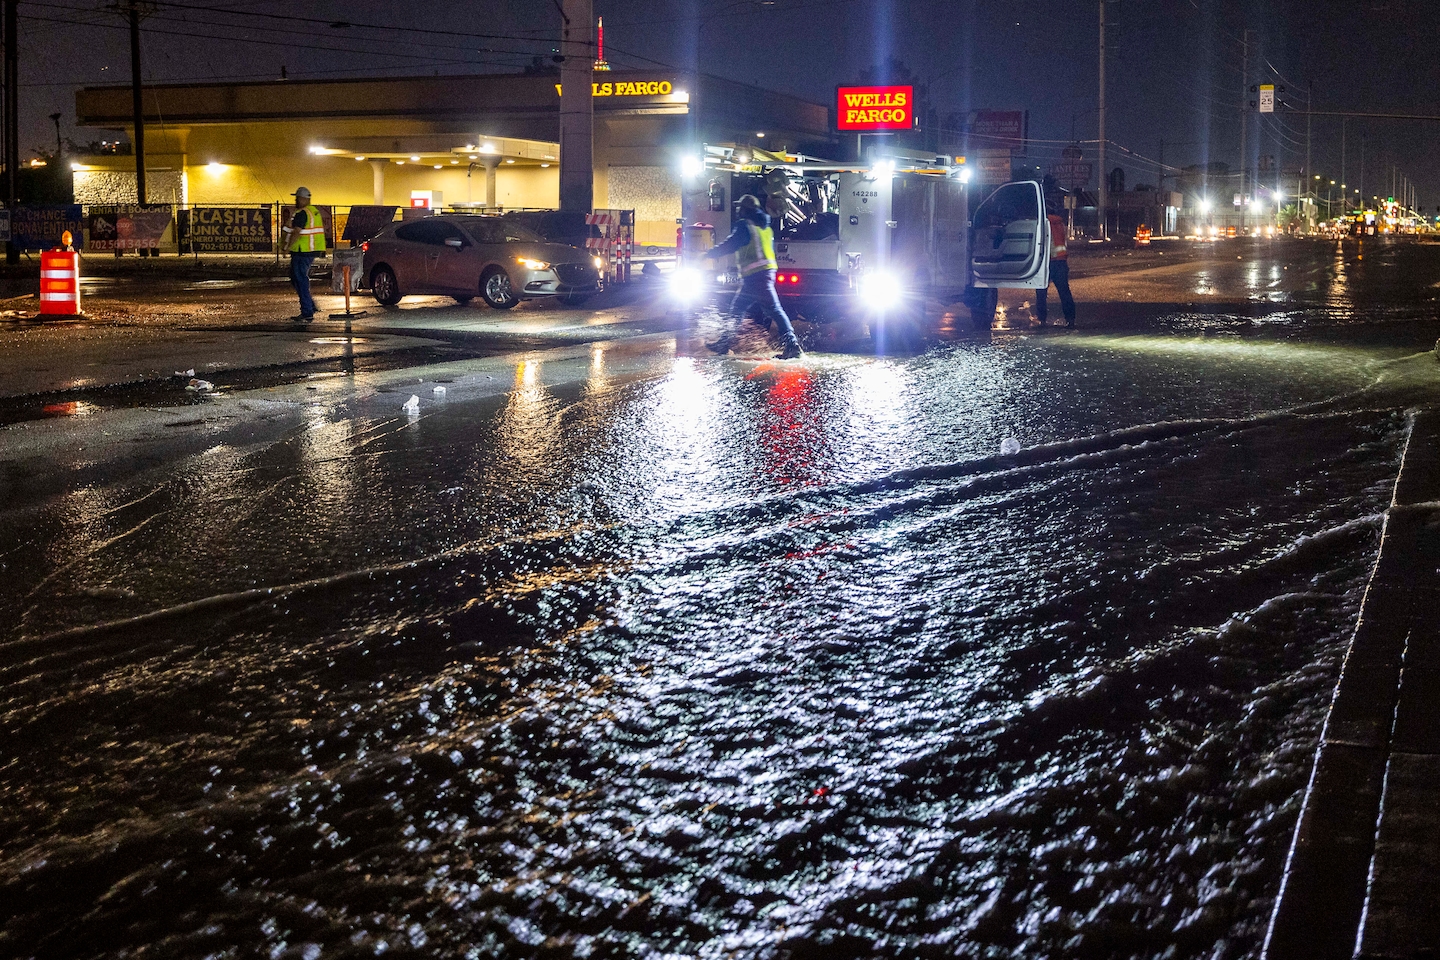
x,y
1010,239
1009,248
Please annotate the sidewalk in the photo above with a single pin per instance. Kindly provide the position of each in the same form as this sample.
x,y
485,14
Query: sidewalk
x,y
1363,878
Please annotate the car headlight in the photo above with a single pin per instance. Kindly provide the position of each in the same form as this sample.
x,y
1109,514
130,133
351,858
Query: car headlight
x,y
881,288
529,264
599,264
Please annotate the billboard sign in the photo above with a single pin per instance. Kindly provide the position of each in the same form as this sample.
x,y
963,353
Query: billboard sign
x,y
128,226
230,230
997,129
1071,173
869,109
993,169
39,228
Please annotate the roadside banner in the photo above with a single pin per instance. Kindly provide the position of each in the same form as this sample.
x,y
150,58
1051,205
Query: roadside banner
x,y
228,229
128,226
992,170
327,214
39,228
1071,174
366,221
997,129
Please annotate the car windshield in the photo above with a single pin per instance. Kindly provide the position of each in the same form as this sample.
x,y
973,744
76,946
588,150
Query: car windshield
x,y
497,230
515,233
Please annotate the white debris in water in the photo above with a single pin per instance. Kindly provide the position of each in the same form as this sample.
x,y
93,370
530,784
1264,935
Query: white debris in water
x,y
439,391
1009,447
200,385
412,405
185,373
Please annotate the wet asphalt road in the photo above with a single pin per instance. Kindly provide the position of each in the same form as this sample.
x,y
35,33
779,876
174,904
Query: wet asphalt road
x,y
617,649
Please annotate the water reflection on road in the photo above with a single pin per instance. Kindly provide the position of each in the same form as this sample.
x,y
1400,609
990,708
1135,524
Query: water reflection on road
x,y
731,659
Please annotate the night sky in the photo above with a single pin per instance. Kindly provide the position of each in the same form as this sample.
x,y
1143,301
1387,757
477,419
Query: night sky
x,y
1174,65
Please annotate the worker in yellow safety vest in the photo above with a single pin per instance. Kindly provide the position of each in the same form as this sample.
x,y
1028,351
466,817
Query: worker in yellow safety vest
x,y
305,239
753,243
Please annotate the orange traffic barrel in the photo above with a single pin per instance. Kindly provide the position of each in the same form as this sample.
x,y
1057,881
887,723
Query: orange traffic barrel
x,y
59,282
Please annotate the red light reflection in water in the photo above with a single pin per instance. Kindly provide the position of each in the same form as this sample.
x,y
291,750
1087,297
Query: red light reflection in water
x,y
792,426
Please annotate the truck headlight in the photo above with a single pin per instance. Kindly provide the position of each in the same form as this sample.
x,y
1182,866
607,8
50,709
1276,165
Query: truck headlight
x,y
599,264
687,283
529,264
881,288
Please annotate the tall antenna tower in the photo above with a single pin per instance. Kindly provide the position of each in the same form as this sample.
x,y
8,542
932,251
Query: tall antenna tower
x,y
600,62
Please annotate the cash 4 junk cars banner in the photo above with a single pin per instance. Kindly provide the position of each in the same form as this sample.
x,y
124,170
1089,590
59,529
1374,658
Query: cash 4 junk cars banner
x,y
227,229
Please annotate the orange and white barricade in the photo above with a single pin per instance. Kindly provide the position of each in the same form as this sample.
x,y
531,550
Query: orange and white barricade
x,y
615,245
59,283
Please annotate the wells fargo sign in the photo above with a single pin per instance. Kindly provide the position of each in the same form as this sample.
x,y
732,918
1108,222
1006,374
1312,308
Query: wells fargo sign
x,y
630,88
875,108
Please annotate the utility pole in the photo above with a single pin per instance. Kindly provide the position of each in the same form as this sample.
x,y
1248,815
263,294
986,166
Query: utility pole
x,y
1309,105
59,144
1343,122
1161,189
577,108
1244,120
12,118
1104,174
138,140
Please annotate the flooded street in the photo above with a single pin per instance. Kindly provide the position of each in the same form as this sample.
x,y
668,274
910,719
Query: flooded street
x,y
629,651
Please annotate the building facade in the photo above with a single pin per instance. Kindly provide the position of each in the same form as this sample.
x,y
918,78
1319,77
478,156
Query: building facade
x,y
485,142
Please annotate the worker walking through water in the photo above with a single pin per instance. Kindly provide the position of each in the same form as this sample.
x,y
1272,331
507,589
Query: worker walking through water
x,y
305,239
753,243
1059,275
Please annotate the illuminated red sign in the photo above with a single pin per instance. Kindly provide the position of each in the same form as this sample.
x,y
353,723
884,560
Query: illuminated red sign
x,y
875,108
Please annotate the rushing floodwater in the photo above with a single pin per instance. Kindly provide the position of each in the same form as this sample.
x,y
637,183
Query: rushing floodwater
x,y
733,660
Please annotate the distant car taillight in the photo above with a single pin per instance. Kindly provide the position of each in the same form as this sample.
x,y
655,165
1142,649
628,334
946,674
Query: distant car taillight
x,y
365,247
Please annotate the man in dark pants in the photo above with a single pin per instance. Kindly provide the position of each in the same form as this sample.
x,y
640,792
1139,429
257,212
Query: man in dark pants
x,y
1059,275
753,243
305,239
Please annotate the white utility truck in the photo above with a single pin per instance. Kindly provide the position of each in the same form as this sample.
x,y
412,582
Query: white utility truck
x,y
871,242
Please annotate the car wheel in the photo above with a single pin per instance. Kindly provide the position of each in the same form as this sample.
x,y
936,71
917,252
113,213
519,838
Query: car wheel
x,y
574,299
463,300
495,288
385,287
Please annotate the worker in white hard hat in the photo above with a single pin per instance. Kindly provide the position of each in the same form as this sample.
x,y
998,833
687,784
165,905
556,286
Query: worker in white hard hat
x,y
305,239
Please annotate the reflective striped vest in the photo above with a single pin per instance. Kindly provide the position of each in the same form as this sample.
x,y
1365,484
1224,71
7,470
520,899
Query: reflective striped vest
x,y
759,254
1058,248
311,237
